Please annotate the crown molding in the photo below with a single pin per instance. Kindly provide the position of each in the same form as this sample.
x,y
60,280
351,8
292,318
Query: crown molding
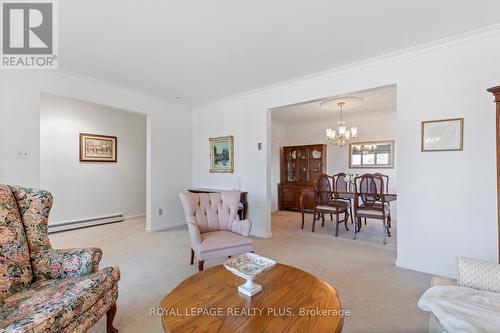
x,y
153,97
404,54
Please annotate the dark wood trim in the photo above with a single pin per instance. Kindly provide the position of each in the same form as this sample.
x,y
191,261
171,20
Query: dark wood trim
x,y
110,316
496,92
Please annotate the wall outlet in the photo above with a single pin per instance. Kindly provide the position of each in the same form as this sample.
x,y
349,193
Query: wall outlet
x,y
160,211
23,155
259,146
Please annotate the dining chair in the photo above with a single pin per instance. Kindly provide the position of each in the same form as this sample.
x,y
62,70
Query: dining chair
x,y
386,189
369,202
386,180
325,203
340,185
386,184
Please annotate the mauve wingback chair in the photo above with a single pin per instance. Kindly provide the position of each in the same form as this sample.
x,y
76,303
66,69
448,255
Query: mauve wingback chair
x,y
215,229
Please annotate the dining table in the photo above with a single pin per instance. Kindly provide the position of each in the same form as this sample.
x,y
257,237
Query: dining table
x,y
345,195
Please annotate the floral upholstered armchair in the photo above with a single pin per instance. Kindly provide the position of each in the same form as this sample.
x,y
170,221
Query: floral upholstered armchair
x,y
43,289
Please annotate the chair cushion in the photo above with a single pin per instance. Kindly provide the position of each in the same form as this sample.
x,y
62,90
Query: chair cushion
x,y
50,305
478,274
222,243
329,208
92,315
15,266
339,203
369,211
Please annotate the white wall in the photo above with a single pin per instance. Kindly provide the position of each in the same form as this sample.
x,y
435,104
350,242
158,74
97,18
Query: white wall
x,y
89,189
169,134
278,140
372,126
446,200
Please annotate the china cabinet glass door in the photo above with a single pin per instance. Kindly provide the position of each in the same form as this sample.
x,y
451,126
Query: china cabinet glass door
x,y
291,164
315,164
302,162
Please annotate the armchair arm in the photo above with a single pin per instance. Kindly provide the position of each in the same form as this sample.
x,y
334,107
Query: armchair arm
x,y
65,263
194,235
241,227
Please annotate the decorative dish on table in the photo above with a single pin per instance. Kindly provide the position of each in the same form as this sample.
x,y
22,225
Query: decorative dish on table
x,y
248,266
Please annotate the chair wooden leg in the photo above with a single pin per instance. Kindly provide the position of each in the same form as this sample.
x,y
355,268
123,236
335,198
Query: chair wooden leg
x,y
352,215
385,230
302,212
314,221
200,265
110,316
365,220
389,225
322,219
331,217
346,218
337,225
192,256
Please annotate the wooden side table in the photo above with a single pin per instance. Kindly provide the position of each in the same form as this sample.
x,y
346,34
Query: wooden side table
x,y
291,301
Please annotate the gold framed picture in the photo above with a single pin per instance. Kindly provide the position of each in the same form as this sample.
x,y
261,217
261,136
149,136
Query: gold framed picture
x,y
221,154
98,148
443,135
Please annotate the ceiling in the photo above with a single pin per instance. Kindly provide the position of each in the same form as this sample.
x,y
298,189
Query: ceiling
x,y
375,100
200,50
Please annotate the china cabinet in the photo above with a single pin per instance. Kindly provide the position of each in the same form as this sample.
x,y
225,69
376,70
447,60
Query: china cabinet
x,y
300,166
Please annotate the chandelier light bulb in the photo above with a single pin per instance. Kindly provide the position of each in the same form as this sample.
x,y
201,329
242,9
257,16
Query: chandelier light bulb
x,y
341,130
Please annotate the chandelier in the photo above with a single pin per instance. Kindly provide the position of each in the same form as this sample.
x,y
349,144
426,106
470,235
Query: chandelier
x,y
341,135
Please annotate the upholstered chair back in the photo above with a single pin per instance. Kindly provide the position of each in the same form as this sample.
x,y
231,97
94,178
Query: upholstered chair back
x,y
211,211
24,214
15,266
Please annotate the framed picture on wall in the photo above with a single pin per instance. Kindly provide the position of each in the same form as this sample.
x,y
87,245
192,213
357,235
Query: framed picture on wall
x,y
98,148
221,154
371,154
443,135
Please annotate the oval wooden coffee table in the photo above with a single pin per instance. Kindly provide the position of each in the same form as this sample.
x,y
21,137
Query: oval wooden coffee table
x,y
291,300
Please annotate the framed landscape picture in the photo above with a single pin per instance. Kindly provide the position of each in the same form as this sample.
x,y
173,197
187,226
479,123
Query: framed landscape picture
x,y
97,148
221,154
371,154
443,135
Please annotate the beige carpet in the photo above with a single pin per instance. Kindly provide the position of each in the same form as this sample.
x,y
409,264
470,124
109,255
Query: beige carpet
x,y
381,297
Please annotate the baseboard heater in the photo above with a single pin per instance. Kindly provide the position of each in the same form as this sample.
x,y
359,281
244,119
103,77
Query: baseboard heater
x,y
85,223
